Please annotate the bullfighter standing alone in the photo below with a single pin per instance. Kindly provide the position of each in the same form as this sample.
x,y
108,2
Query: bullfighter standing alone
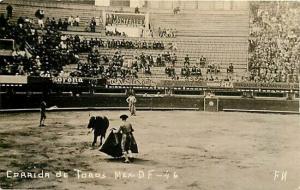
x,y
131,100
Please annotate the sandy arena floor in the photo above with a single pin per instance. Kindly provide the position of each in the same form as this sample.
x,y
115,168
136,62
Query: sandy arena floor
x,y
178,150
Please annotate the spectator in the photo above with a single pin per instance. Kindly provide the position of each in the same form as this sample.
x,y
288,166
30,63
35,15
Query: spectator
x,y
93,25
185,71
3,21
159,61
187,60
174,46
196,71
202,61
174,59
9,11
167,33
136,10
230,68
40,14
170,71
41,23
176,10
71,20
60,24
53,24
217,69
76,21
65,25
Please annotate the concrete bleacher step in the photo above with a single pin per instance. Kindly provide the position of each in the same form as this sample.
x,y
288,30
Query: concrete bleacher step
x,y
84,28
205,23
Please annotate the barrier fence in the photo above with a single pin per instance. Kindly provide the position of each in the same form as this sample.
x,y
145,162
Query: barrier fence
x,y
6,80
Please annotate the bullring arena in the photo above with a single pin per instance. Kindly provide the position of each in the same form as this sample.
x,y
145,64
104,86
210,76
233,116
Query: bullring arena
x,y
215,151
216,85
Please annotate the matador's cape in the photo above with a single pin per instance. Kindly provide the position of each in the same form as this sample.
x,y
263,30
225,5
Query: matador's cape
x,y
112,145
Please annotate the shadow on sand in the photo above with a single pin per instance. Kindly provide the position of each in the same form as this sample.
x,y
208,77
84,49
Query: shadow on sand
x,y
138,161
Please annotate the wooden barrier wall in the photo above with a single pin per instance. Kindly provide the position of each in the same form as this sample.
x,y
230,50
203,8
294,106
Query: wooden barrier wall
x,y
196,102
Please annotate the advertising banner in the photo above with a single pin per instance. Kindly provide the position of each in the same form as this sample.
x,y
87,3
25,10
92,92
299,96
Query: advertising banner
x,y
128,19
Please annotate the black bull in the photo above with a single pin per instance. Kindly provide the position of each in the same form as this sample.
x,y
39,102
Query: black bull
x,y
99,125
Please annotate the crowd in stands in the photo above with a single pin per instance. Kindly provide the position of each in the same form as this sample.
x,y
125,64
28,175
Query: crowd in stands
x,y
187,71
19,63
147,33
274,48
52,24
166,59
167,33
104,67
202,61
212,68
84,45
170,62
36,52
60,24
197,70
63,23
51,51
275,42
73,21
119,66
16,65
115,33
171,73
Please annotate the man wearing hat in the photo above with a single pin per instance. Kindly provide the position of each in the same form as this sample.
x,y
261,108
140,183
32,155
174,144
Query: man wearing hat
x,y
126,130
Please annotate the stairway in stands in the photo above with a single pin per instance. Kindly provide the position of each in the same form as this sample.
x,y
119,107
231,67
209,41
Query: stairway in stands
x,y
220,36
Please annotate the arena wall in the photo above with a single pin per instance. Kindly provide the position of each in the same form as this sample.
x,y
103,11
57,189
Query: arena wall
x,y
117,101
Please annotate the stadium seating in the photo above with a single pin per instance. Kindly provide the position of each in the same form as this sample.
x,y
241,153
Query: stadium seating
x,y
221,37
85,13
